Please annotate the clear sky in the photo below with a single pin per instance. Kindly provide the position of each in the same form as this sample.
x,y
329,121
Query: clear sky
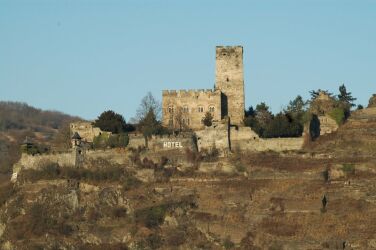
x,y
84,57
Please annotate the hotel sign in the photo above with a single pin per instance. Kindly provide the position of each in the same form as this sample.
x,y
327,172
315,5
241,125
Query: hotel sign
x,y
171,144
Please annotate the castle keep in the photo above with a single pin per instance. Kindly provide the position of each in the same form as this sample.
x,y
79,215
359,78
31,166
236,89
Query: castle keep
x,y
187,108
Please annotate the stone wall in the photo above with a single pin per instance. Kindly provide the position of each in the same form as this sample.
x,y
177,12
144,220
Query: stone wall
x,y
86,130
230,81
37,161
212,137
272,144
225,138
68,159
187,108
179,142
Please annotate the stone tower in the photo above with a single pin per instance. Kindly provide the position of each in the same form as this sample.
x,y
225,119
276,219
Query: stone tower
x,y
230,81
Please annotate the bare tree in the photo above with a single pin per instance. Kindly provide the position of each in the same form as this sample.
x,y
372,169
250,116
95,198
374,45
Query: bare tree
x,y
148,103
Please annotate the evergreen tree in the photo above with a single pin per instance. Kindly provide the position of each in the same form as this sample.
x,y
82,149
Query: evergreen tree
x,y
345,97
250,112
149,125
111,122
208,119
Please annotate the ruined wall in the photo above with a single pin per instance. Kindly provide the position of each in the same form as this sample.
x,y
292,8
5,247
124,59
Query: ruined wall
x,y
67,159
85,130
230,81
215,136
327,124
245,139
186,108
273,144
37,161
372,101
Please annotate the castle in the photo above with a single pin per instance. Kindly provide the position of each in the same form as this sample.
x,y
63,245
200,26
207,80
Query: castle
x,y
187,108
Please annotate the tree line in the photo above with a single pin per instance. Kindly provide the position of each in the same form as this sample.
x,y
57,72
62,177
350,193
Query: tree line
x,y
291,120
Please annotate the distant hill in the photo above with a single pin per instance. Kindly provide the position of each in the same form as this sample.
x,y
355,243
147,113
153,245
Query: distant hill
x,y
18,120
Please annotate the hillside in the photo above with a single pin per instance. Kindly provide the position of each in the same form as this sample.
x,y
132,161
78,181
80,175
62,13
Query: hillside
x,y
18,120
126,198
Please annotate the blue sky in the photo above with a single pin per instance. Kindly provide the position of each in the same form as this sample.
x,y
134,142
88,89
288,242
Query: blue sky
x,y
84,57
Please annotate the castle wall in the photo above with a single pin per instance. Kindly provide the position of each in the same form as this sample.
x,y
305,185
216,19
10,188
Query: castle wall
x,y
242,139
180,142
230,81
182,107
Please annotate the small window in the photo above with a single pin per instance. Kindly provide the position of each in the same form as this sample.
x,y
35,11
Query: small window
x,y
211,109
185,109
200,109
188,121
170,122
170,109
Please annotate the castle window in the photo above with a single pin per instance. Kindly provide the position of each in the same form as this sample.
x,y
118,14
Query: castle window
x,y
200,109
227,79
170,122
188,121
211,109
185,109
170,109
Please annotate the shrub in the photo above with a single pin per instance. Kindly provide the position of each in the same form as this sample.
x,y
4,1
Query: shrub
x,y
208,119
228,244
53,171
152,216
120,140
211,154
101,141
6,191
326,175
176,237
348,168
338,114
130,182
154,241
119,212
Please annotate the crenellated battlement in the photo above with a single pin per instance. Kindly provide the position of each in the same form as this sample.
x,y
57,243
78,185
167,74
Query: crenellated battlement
x,y
191,93
159,137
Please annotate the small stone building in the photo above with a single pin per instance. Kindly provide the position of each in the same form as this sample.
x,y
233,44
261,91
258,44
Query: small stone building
x,y
187,108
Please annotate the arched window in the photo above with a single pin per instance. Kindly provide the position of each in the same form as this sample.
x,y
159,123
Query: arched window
x,y
211,109
185,109
171,109
200,109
